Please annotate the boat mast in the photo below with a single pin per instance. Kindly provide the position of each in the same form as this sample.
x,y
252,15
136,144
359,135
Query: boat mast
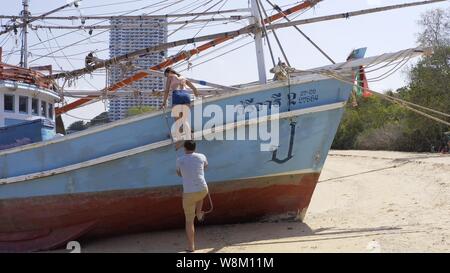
x,y
24,49
26,20
258,42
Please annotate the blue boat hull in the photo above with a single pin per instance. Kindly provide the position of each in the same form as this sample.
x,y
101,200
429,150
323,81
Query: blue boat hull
x,y
122,177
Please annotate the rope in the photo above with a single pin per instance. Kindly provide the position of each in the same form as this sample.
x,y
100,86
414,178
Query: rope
x,y
198,32
366,172
185,7
301,32
5,40
98,6
379,60
276,36
7,57
127,12
60,49
54,59
395,100
133,10
391,71
213,58
182,26
211,206
420,106
392,97
214,50
86,119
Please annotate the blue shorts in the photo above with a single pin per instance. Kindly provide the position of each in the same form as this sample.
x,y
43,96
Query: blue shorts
x,y
180,97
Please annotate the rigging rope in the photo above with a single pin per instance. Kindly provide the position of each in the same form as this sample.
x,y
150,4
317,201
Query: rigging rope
x,y
86,119
276,36
128,12
196,34
301,32
5,39
89,37
391,71
7,57
399,101
189,6
213,58
99,6
133,10
70,63
182,26
198,57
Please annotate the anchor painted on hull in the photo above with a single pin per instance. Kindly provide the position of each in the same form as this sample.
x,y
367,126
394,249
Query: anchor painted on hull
x,y
291,147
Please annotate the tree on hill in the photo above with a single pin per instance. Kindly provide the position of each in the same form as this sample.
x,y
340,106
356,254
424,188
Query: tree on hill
x,y
77,126
100,119
97,120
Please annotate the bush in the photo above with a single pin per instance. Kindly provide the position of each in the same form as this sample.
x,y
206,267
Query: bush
x,y
372,113
387,137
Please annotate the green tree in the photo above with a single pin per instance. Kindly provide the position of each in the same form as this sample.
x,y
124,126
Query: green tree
x,y
429,86
435,28
137,110
99,120
77,126
377,124
429,82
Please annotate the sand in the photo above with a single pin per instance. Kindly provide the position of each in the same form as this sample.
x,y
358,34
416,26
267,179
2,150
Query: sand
x,y
366,201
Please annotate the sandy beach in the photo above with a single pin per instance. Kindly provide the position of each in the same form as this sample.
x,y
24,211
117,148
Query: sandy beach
x,y
366,201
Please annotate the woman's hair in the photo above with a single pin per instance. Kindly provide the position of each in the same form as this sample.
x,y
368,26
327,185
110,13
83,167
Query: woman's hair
x,y
170,70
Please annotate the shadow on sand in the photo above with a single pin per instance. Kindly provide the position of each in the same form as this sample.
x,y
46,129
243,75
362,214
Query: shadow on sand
x,y
216,238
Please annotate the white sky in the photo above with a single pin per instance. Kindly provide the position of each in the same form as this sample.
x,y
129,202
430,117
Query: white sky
x,y
380,32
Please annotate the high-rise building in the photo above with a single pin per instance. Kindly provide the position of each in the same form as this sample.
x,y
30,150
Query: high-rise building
x,y
127,38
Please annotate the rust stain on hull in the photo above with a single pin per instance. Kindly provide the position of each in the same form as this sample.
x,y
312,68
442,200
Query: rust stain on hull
x,y
31,224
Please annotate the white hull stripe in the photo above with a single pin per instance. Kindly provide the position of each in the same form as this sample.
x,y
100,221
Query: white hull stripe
x,y
163,143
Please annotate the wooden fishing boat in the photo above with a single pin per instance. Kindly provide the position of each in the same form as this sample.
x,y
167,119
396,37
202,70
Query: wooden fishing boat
x,y
120,177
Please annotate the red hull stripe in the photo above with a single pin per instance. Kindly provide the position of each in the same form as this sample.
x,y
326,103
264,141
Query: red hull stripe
x,y
30,224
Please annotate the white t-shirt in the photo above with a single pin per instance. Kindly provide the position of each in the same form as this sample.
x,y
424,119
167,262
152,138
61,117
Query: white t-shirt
x,y
192,168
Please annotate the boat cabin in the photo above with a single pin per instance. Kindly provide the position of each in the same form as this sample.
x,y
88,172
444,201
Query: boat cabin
x,y
21,102
27,102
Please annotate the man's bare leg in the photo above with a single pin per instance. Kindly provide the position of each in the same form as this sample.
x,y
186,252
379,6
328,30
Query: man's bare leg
x,y
190,233
179,143
182,131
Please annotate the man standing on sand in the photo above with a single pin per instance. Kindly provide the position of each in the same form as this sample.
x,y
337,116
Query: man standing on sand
x,y
191,167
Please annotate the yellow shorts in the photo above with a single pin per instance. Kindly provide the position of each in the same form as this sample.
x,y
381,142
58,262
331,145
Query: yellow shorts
x,y
189,201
